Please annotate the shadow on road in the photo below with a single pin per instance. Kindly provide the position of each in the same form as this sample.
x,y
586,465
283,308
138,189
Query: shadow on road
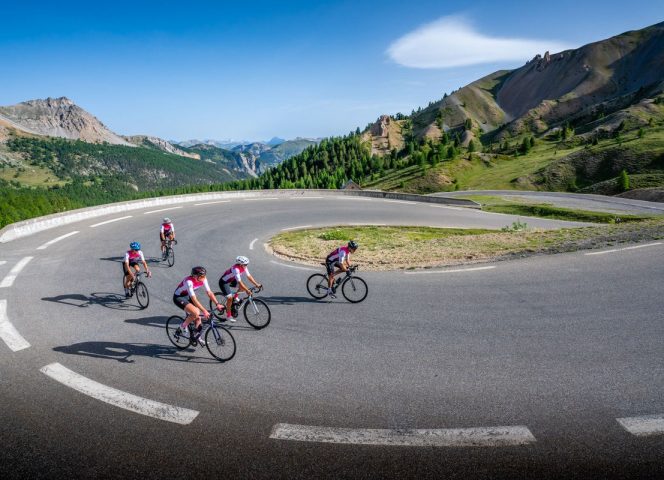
x,y
288,300
150,260
122,352
160,322
114,301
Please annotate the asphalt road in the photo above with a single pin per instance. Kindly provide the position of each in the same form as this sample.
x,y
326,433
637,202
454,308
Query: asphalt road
x,y
562,345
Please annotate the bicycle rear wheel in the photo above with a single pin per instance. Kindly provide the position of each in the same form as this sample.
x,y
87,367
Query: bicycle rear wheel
x,y
142,295
170,256
354,289
220,343
180,341
257,313
317,285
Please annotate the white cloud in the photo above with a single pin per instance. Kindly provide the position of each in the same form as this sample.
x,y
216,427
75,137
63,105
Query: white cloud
x,y
453,42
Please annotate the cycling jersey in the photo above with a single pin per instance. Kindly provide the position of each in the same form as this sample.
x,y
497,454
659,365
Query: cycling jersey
x,y
189,285
235,273
338,255
167,228
134,256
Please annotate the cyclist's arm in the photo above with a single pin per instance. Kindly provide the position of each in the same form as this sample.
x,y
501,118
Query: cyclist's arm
x,y
251,279
145,265
243,287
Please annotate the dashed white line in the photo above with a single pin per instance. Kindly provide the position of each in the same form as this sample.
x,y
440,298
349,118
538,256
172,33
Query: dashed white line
x,y
291,266
644,426
258,199
162,210
8,332
110,221
47,244
251,245
448,207
450,437
212,203
118,398
458,270
625,248
8,281
295,228
2,262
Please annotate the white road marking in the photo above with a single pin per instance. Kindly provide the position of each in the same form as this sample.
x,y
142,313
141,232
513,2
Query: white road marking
x,y
625,248
447,207
110,221
295,228
444,437
8,281
118,398
47,244
257,199
161,210
251,245
356,198
643,426
2,262
459,270
302,198
401,201
8,332
212,203
291,266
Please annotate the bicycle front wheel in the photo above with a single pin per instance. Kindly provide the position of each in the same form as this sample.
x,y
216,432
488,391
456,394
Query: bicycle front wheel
x,y
354,289
317,285
220,343
142,295
257,313
180,341
218,314
170,256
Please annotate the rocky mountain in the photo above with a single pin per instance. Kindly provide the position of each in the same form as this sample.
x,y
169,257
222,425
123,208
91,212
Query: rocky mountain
x,y
159,144
581,87
57,117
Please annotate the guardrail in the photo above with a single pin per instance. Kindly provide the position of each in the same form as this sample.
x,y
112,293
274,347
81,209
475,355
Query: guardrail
x,y
34,225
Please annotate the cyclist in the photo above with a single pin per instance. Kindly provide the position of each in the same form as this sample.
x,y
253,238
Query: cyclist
x,y
339,258
233,278
185,298
167,231
130,264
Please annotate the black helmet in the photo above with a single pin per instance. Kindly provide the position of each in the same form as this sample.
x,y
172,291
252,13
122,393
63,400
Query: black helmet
x,y
352,244
198,271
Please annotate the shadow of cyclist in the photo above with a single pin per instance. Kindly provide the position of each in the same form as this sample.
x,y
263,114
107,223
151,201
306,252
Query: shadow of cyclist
x,y
114,301
274,300
122,352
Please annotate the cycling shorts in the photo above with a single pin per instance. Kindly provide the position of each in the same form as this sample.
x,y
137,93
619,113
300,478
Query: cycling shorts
x,y
225,287
131,264
331,266
181,302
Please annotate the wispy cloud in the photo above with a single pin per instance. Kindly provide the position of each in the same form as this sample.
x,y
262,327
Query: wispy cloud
x,y
453,42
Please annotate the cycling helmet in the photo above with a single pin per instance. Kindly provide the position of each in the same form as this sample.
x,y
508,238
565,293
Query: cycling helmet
x,y
242,260
135,246
167,220
198,271
352,244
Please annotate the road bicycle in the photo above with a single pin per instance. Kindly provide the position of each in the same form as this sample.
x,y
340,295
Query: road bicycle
x,y
255,311
353,288
169,253
218,339
138,288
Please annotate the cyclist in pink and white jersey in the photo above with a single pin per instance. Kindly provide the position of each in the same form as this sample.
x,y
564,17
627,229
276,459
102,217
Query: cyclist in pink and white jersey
x,y
233,278
167,230
185,298
130,263
339,258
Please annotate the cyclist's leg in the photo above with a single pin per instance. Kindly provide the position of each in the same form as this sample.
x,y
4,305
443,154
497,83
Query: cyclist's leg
x,y
163,242
192,315
330,273
228,293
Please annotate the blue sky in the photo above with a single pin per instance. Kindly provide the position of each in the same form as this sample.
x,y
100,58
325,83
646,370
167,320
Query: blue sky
x,y
253,70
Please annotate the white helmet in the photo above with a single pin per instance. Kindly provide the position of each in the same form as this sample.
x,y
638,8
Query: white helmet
x,y
242,260
167,220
